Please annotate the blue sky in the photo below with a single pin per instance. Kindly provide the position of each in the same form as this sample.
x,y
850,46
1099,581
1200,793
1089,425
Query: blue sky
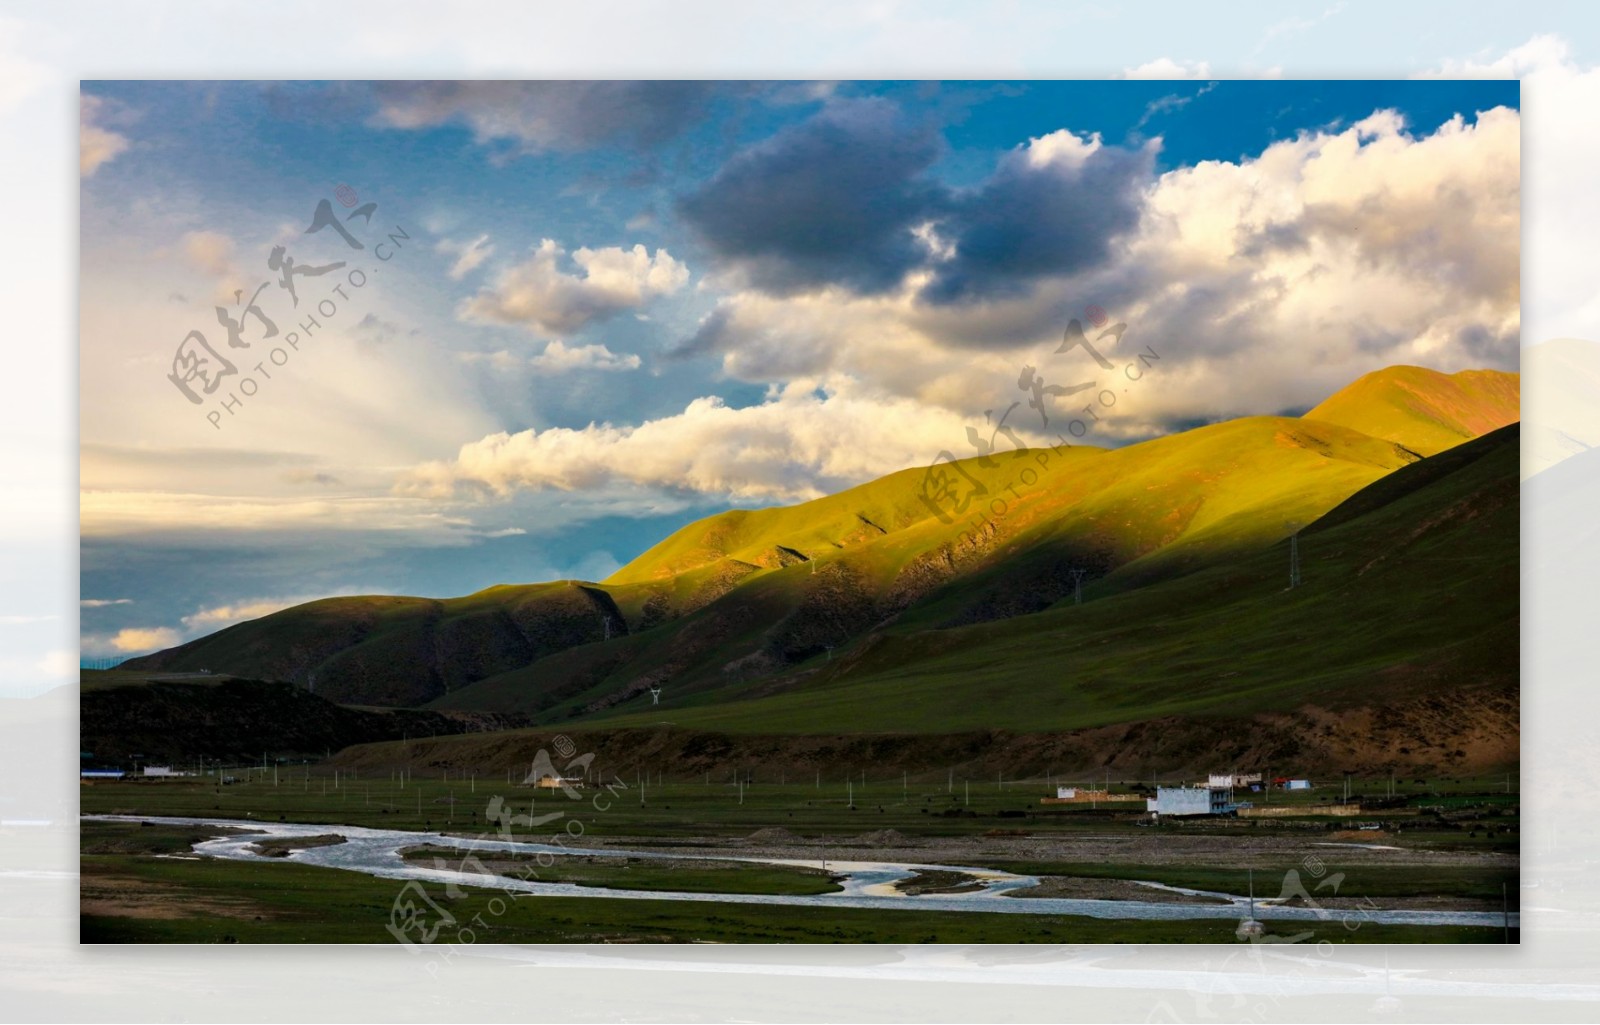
x,y
623,306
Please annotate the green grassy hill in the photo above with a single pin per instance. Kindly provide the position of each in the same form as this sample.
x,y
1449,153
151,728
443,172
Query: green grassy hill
x,y
1424,410
126,716
387,650
1414,598
836,613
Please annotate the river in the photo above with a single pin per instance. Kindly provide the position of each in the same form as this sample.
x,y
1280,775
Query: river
x,y
866,884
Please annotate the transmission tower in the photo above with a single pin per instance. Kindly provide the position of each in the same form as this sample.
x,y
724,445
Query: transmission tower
x,y
1077,586
1294,560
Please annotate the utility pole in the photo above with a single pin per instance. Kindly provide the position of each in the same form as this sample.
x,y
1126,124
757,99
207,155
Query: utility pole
x,y
1294,560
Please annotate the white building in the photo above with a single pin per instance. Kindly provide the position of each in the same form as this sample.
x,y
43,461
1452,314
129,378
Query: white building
x,y
1192,801
1066,793
1233,779
162,770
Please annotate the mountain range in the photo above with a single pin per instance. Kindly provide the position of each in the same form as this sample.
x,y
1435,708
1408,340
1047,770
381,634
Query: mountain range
x,y
1070,588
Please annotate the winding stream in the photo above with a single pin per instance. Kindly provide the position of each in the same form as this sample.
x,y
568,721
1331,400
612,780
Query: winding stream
x,y
866,884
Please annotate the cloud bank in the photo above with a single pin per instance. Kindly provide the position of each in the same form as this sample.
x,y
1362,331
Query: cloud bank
x,y
539,295
1267,284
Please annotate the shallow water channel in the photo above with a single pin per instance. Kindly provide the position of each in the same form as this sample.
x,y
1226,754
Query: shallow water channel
x,y
866,884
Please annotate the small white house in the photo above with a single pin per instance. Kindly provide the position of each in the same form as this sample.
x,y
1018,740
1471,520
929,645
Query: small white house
x,y
1066,793
1191,801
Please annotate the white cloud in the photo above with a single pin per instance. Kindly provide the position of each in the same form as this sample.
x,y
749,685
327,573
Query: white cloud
x,y
1061,148
802,442
1166,67
97,603
202,519
1265,284
539,295
558,358
1269,283
96,145
133,639
219,616
469,255
1559,100
1539,55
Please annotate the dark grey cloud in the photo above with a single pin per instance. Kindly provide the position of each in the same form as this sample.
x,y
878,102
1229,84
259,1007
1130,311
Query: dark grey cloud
x,y
562,116
715,333
1035,219
835,201
832,200
1487,346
